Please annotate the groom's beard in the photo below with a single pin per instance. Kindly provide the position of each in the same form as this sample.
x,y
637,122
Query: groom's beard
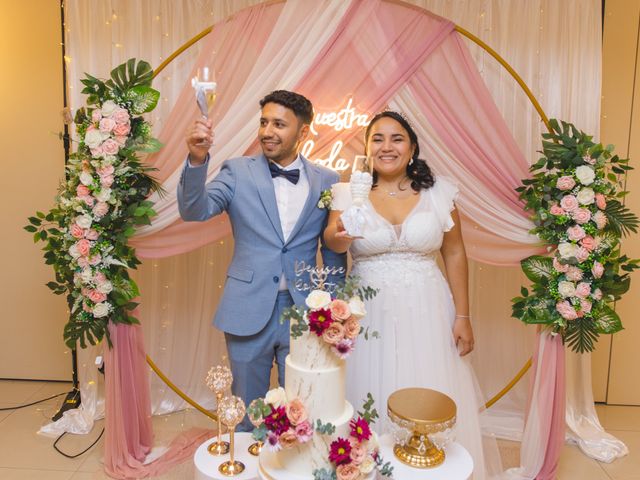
x,y
276,151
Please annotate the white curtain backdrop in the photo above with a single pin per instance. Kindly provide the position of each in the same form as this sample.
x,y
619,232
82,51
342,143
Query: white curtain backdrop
x,y
555,47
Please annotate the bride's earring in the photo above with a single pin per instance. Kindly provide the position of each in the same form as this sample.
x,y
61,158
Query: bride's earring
x,y
411,162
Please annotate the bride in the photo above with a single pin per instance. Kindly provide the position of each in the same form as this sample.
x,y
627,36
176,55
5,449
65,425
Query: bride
x,y
423,320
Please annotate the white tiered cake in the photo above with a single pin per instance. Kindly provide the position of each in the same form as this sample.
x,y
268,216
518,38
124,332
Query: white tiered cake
x,y
316,376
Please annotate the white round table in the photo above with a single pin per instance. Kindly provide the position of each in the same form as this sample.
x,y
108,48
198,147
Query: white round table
x,y
207,464
457,465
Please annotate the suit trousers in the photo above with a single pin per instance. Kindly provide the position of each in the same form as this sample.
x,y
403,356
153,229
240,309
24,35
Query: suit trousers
x,y
252,356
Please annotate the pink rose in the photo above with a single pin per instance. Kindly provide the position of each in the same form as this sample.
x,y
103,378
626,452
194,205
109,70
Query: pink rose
x,y
334,333
574,274
105,171
101,209
583,290
92,235
597,294
107,125
352,328
556,210
348,471
559,267
565,183
339,310
358,453
110,147
581,215
95,259
597,270
566,310
304,432
569,203
88,199
76,231
122,130
121,140
296,413
82,190
582,254
83,262
106,181
120,116
96,115
589,243
585,305
84,247
601,201
288,439
576,232
97,297
99,277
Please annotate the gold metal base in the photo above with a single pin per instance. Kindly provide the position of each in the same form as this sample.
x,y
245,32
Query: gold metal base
x,y
254,448
230,468
419,452
218,448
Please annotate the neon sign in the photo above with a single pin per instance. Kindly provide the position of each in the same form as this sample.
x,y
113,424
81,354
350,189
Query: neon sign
x,y
346,118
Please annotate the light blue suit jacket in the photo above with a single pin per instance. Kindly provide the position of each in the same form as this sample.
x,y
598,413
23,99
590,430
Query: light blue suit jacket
x,y
244,189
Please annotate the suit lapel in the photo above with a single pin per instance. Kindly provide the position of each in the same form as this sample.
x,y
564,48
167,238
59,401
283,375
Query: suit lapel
x,y
313,176
260,171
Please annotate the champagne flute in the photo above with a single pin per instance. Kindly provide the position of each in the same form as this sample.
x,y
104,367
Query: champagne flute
x,y
206,92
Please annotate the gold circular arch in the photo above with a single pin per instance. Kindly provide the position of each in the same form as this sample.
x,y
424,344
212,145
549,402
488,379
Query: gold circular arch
x,y
463,32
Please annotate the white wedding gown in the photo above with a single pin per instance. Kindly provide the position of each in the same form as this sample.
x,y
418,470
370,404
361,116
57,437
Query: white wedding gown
x,y
414,314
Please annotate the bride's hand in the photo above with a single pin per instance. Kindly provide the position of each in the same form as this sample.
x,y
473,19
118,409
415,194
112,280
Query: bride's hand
x,y
341,232
463,335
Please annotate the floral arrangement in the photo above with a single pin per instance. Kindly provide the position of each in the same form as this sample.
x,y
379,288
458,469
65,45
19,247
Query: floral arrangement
x,y
355,457
280,423
574,196
333,317
100,202
326,199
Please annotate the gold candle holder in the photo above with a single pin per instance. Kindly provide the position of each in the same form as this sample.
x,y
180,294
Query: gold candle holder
x,y
232,410
255,448
423,412
219,380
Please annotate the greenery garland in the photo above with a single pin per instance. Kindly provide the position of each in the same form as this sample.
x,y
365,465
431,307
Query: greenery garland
x,y
100,203
574,196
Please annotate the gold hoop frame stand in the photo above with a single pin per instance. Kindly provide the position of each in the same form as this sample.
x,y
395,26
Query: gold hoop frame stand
x,y
475,40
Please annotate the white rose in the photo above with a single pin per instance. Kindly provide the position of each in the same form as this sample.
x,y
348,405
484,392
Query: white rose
x,y
586,196
86,275
108,108
367,465
104,195
566,289
86,178
84,221
73,251
101,310
276,397
93,138
567,250
585,174
318,299
356,305
105,287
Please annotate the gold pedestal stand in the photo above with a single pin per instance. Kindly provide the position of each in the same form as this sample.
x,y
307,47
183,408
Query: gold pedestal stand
x,y
219,447
423,412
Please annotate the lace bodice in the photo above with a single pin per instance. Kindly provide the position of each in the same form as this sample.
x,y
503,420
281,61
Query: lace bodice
x,y
419,236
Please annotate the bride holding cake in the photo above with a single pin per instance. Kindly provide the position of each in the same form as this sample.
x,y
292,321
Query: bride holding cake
x,y
423,320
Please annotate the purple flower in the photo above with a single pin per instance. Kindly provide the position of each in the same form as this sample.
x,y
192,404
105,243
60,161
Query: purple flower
x,y
343,348
277,421
273,443
360,429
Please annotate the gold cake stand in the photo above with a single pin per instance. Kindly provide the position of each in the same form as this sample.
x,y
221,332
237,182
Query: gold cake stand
x,y
422,412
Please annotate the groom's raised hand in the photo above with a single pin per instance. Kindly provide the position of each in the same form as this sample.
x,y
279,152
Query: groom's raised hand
x,y
199,139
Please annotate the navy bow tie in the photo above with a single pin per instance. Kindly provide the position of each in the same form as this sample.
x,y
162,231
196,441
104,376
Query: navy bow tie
x,y
292,175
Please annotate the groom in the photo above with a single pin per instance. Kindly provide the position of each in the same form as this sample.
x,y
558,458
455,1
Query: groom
x,y
272,202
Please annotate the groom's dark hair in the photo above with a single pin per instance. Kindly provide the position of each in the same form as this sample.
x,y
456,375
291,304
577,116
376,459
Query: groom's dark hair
x,y
300,104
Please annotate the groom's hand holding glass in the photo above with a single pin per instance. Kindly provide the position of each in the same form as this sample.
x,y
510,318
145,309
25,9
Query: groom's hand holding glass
x,y
199,139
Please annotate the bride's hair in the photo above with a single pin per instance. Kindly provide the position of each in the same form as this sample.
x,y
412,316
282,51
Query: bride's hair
x,y
418,171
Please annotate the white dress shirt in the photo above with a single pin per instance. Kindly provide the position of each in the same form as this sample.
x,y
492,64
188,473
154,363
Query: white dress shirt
x,y
290,199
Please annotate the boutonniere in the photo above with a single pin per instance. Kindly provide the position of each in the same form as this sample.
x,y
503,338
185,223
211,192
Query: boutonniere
x,y
325,199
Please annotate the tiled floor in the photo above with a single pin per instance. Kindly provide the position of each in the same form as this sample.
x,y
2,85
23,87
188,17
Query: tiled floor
x,y
24,455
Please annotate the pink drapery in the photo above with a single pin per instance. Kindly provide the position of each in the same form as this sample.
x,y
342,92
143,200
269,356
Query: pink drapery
x,y
378,47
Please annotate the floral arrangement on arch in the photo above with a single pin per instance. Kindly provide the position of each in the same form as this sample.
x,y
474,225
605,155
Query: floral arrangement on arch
x,y
280,423
355,457
100,202
574,196
334,316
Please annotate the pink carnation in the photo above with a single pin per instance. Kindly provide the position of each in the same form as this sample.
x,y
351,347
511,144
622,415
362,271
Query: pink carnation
x,y
556,210
589,243
583,290
597,270
585,305
569,203
576,232
105,171
565,183
581,215
106,181
99,277
566,310
304,432
101,209
601,201
574,274
83,262
95,259
582,254
600,219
